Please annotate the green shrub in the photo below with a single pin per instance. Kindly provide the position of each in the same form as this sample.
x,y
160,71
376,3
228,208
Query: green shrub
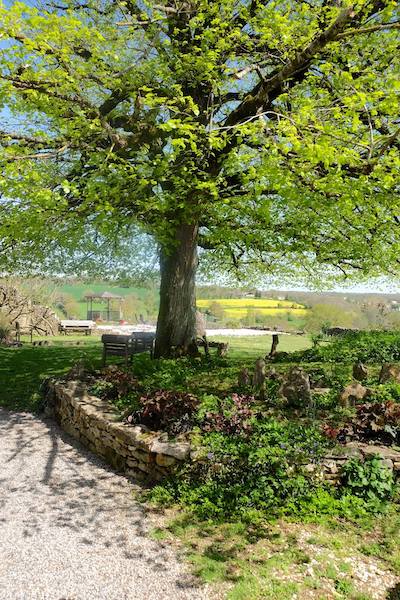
x,y
261,472
366,346
387,392
370,479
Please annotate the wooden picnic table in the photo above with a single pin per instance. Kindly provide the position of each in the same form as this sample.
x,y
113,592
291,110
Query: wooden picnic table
x,y
76,326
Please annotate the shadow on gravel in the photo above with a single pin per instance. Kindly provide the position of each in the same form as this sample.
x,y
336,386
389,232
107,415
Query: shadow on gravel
x,y
66,486
394,593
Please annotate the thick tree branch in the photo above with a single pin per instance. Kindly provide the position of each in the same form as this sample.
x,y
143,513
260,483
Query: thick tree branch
x,y
372,29
266,91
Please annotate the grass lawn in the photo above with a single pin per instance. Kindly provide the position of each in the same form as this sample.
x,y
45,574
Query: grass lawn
x,y
23,369
248,347
283,560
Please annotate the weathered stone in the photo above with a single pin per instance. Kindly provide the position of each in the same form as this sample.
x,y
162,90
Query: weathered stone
x,y
144,467
142,455
311,468
165,461
385,452
71,430
296,387
353,392
243,378
123,451
360,371
331,466
180,451
389,372
259,374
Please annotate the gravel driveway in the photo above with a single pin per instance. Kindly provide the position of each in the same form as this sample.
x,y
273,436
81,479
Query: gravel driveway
x,y
69,527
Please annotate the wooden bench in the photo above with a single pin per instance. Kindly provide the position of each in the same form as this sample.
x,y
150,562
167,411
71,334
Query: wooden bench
x,y
76,327
127,345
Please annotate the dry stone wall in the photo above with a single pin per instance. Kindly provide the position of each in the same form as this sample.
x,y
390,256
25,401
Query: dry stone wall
x,y
330,467
133,450
149,456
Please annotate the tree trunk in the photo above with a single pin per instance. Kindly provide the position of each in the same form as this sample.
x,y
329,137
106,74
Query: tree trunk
x,y
176,325
275,342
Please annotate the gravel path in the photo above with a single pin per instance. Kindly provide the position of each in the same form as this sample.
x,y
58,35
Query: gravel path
x,y
69,527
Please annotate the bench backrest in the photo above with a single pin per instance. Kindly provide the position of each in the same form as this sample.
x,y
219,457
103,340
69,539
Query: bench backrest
x,y
134,343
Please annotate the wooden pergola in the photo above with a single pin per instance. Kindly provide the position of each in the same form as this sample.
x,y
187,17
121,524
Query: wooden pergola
x,y
109,314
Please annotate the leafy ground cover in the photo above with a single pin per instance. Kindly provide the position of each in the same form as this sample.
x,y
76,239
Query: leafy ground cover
x,y
367,346
244,500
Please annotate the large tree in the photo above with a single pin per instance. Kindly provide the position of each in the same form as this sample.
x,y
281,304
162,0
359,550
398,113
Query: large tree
x,y
265,132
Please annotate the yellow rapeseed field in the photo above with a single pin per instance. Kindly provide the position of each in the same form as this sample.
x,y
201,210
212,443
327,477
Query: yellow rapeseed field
x,y
249,303
237,308
239,313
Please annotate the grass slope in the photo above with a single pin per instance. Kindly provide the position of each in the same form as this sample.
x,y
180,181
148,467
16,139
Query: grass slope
x,y
77,291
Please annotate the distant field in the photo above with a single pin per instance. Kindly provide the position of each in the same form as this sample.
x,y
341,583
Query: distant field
x,y
234,308
237,308
78,291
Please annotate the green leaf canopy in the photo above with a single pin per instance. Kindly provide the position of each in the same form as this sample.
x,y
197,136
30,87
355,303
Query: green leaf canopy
x,y
272,125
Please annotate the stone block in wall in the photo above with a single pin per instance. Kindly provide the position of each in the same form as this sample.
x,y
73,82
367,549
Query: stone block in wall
x,y
165,461
145,467
142,455
180,450
71,429
330,466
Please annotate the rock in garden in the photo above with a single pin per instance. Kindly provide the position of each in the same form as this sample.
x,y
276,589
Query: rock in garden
x,y
259,378
259,373
296,387
243,378
273,375
389,372
360,371
353,392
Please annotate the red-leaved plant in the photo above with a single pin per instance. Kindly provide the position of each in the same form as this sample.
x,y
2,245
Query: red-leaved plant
x,y
379,421
166,410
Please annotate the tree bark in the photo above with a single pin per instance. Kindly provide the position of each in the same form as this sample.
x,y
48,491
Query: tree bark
x,y
176,325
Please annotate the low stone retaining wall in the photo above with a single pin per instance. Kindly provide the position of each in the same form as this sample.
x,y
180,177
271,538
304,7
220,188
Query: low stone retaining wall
x,y
330,467
134,450
149,456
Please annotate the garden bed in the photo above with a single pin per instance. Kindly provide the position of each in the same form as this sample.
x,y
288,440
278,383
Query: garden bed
x,y
254,450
